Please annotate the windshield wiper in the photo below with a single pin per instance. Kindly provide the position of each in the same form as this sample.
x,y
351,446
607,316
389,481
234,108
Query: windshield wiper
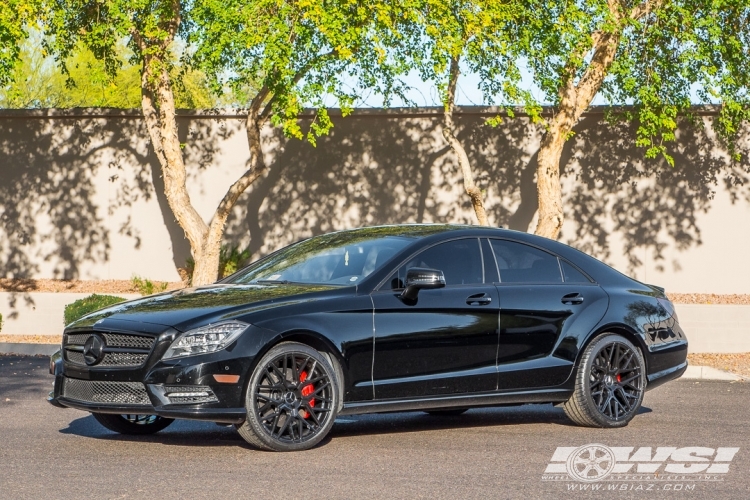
x,y
275,282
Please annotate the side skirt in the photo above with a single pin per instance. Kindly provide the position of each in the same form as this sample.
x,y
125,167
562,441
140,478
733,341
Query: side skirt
x,y
458,401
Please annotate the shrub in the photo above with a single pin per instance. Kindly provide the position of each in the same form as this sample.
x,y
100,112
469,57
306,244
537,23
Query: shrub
x,y
147,287
1,322
82,307
230,260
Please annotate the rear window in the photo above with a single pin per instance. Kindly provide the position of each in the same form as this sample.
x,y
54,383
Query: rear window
x,y
519,263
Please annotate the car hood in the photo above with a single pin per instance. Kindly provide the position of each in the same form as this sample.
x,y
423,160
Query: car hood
x,y
186,306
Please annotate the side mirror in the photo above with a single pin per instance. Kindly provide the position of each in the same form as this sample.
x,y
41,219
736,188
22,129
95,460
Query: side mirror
x,y
418,278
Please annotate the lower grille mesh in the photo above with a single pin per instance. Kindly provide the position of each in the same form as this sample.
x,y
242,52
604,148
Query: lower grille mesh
x,y
90,391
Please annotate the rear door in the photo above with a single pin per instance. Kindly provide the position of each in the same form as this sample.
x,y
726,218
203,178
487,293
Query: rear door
x,y
446,341
545,303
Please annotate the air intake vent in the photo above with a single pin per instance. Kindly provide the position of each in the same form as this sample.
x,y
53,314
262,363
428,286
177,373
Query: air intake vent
x,y
91,391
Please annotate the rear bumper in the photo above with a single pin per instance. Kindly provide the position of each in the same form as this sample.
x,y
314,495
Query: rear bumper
x,y
657,379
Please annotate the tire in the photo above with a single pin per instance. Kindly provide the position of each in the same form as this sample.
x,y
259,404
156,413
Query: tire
x,y
452,412
292,399
133,424
610,384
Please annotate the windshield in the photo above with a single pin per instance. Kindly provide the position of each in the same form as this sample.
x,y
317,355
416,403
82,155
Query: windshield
x,y
337,258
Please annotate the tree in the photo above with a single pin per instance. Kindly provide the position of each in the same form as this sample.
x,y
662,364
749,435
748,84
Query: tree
x,y
300,52
651,53
481,35
37,82
14,18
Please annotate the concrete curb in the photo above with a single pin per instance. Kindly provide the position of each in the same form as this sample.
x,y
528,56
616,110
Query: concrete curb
x,y
708,373
28,349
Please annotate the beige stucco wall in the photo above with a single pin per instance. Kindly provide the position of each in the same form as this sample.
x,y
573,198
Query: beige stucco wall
x,y
80,192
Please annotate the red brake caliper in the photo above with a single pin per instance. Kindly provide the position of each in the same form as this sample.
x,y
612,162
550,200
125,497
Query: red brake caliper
x,y
306,391
619,377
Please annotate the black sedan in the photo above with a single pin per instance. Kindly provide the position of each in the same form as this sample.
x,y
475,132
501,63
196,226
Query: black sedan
x,y
438,318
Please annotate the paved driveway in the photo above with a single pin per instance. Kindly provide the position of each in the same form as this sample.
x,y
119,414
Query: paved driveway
x,y
47,452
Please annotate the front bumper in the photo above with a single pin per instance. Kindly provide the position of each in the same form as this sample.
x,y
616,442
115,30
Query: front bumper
x,y
149,389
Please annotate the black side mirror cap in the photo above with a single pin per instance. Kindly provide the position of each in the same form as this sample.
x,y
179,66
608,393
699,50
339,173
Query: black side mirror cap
x,y
418,278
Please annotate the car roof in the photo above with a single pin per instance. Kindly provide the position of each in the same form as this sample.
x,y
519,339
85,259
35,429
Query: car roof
x,y
601,272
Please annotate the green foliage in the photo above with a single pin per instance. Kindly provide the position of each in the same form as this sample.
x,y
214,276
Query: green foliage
x,y
675,51
87,305
1,322
308,53
231,259
37,82
146,286
481,34
14,17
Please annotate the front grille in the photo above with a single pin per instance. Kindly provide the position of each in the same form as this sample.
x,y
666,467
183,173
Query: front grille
x,y
132,350
113,340
91,391
123,359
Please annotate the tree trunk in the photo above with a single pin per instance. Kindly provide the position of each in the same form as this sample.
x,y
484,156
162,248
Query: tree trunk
x,y
162,129
548,186
207,271
477,200
575,98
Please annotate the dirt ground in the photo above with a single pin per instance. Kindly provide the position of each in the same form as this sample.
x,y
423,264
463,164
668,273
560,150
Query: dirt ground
x,y
738,363
78,286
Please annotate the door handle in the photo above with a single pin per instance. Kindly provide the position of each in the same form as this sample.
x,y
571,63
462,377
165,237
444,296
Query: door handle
x,y
478,299
572,298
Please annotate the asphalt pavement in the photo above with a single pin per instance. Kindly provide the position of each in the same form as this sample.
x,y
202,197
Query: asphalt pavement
x,y
47,452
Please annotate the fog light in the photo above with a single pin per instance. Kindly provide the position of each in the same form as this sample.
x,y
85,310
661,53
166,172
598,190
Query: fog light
x,y
190,394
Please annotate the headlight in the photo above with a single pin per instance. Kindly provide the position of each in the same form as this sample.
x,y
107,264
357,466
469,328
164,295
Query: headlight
x,y
205,339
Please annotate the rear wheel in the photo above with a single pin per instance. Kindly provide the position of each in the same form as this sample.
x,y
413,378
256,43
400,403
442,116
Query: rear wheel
x,y
452,412
292,399
133,424
609,384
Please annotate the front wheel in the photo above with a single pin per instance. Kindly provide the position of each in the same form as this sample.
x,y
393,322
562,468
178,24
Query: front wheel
x,y
610,383
292,399
133,424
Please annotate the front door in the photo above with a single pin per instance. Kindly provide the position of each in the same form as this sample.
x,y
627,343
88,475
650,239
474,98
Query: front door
x,y
446,341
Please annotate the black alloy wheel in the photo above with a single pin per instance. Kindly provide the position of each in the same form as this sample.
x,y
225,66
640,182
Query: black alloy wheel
x,y
292,399
610,384
133,424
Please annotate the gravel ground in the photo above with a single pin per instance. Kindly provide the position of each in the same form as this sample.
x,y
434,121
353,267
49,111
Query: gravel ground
x,y
78,286
738,363
31,339
709,298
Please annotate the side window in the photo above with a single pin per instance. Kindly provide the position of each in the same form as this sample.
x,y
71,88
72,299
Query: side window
x,y
571,274
519,263
460,261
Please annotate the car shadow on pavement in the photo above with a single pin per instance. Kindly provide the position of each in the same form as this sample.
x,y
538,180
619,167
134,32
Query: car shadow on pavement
x,y
194,433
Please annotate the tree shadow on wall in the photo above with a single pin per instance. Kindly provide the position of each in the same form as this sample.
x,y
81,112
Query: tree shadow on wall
x,y
384,169
648,202
50,210
370,170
